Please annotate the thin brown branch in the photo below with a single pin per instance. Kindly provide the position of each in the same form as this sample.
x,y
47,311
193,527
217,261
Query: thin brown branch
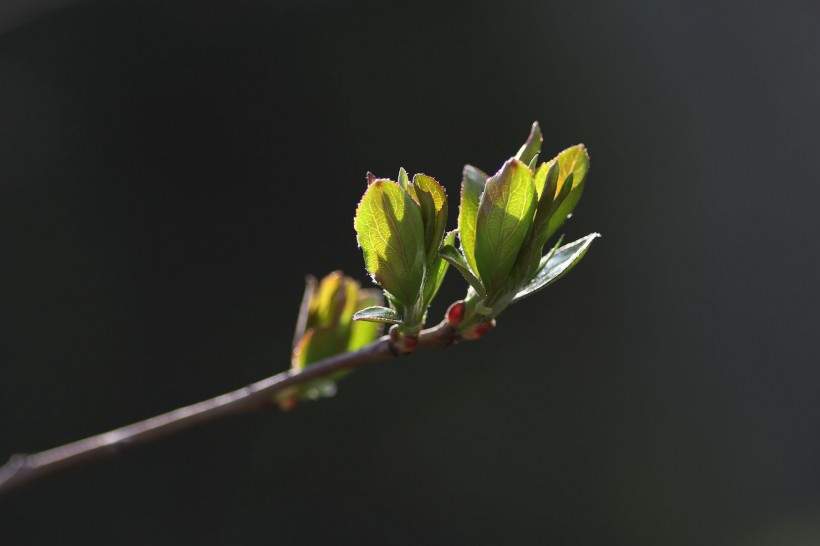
x,y
24,469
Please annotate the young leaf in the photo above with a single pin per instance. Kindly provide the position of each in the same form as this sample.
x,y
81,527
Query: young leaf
x,y
390,231
557,264
403,180
472,186
363,332
527,263
531,148
574,165
316,344
504,219
378,314
433,201
454,258
435,275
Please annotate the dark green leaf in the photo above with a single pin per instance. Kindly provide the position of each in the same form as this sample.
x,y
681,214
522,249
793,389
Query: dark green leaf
x,y
454,257
437,271
557,264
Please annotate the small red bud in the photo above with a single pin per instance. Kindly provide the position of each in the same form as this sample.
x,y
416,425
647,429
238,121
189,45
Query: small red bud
x,y
404,343
479,330
409,344
455,313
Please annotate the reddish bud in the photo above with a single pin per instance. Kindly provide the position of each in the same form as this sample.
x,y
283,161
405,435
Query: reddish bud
x,y
455,313
409,344
404,343
479,330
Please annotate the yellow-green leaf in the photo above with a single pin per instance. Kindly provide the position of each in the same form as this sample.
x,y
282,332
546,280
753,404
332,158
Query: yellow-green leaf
x,y
362,332
472,186
390,231
505,215
433,203
573,164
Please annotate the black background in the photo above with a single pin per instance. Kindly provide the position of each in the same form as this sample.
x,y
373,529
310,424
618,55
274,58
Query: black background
x,y
169,172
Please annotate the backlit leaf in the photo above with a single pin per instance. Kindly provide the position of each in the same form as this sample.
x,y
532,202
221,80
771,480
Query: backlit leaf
x,y
390,231
472,186
363,332
505,215
573,166
433,202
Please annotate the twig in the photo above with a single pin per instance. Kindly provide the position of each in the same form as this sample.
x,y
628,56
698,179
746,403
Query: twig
x,y
24,469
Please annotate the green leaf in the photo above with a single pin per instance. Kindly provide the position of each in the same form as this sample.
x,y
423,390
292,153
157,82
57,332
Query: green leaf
x,y
531,148
403,180
557,264
390,231
472,186
363,332
527,263
573,166
505,216
433,202
436,273
454,258
378,314
316,344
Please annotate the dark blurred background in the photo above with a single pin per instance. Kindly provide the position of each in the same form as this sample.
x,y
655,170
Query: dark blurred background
x,y
170,171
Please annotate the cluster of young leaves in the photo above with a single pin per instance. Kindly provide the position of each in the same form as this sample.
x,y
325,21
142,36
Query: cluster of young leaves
x,y
505,220
400,227
504,223
325,328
